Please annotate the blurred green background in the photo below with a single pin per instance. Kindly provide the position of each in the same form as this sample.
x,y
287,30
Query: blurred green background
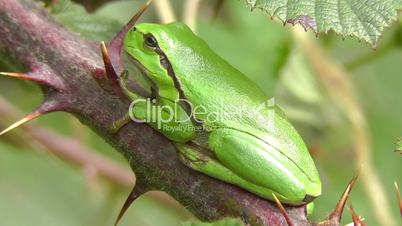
x,y
37,188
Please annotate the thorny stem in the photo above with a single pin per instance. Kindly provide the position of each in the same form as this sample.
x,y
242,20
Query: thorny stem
x,y
53,53
165,11
72,151
190,12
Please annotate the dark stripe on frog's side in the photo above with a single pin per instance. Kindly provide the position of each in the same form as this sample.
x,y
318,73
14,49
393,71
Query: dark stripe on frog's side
x,y
165,63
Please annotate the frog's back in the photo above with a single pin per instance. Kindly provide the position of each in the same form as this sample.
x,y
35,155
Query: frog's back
x,y
202,74
199,69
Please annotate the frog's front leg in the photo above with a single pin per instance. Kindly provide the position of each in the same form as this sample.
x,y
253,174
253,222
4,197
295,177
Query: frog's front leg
x,y
167,117
164,116
119,123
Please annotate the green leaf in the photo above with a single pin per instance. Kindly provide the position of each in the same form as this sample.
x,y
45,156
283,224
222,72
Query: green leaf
x,y
90,26
224,222
364,19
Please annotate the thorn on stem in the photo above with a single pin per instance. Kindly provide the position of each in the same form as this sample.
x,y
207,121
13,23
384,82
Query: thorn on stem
x,y
357,220
398,196
17,75
25,119
134,195
37,77
116,45
45,108
110,72
336,215
283,211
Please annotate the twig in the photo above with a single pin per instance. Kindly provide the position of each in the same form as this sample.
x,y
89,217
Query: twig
x,y
217,9
72,151
165,11
190,12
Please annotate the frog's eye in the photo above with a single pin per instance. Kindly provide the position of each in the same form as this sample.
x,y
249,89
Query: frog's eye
x,y
133,29
150,41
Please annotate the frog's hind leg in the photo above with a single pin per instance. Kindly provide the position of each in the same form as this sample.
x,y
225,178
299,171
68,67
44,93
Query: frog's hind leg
x,y
199,159
261,165
204,161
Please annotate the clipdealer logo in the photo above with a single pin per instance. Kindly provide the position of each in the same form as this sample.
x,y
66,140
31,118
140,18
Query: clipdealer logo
x,y
173,115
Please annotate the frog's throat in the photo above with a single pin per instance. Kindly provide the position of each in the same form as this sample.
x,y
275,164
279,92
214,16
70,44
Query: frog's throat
x,y
145,74
165,63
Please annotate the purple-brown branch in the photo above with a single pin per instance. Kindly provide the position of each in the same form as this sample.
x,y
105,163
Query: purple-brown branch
x,y
69,150
73,152
73,80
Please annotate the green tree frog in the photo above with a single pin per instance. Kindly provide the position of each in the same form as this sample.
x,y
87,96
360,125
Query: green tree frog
x,y
218,119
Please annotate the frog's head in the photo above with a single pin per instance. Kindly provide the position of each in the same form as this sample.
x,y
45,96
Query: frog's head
x,y
147,45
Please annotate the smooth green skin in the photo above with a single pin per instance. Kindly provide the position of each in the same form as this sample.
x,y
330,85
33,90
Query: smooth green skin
x,y
259,151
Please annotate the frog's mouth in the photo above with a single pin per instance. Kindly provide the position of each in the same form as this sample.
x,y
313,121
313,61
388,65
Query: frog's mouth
x,y
153,93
